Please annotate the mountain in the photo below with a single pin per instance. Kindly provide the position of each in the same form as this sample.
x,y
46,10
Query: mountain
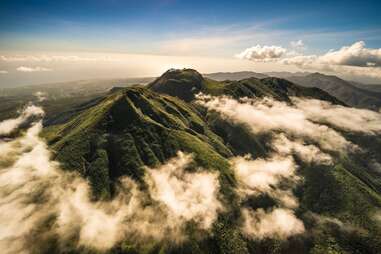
x,y
129,129
221,76
286,74
369,87
186,83
341,89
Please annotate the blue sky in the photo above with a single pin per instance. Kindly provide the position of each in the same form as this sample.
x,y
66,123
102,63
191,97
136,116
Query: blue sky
x,y
137,26
212,29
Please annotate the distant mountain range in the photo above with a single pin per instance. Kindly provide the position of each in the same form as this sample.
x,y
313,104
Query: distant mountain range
x,y
341,89
352,93
221,76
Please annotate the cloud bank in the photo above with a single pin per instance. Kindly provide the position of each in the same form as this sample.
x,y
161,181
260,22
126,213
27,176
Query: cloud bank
x,y
266,115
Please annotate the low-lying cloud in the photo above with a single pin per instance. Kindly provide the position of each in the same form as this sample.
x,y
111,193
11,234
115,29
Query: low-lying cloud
x,y
178,190
9,125
346,118
41,96
279,223
268,115
40,204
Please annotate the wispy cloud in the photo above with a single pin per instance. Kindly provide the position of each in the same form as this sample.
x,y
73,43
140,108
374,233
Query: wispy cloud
x,y
3,72
49,58
32,69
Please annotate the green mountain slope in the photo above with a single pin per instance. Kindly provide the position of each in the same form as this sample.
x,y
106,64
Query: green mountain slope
x,y
131,128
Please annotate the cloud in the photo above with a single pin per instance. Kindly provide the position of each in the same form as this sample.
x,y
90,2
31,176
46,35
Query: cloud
x,y
178,190
258,176
41,96
32,69
307,152
37,196
297,45
9,125
345,118
356,60
354,55
49,58
353,60
279,223
3,72
268,115
262,53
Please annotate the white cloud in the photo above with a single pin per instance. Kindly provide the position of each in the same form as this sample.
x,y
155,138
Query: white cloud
x,y
41,96
297,44
9,125
307,152
346,118
178,190
258,176
262,53
32,69
279,223
353,60
49,58
354,55
268,115
3,72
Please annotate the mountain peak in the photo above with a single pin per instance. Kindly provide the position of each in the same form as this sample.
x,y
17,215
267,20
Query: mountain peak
x,y
181,83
